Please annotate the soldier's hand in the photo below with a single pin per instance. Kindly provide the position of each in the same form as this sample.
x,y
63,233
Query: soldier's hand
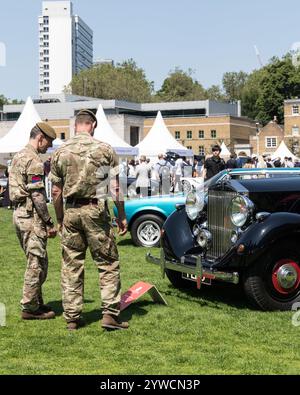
x,y
51,232
122,226
59,228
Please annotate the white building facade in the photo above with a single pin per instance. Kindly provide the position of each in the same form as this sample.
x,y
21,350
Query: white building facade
x,y
65,46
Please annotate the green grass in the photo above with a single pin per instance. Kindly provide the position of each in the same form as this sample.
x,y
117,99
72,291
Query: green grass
x,y
211,332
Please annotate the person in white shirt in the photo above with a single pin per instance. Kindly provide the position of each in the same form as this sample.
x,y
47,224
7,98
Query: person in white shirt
x,y
143,171
178,173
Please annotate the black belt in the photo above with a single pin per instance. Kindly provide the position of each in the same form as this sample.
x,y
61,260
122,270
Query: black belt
x,y
82,201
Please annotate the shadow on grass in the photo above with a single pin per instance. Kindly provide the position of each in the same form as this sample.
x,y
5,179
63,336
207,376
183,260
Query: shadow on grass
x,y
126,242
126,315
56,305
232,295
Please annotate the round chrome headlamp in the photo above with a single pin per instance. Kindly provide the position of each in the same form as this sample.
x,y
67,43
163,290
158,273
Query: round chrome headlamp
x,y
240,210
193,205
204,238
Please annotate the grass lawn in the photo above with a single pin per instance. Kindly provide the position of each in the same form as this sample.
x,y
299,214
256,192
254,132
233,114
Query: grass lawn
x,y
209,332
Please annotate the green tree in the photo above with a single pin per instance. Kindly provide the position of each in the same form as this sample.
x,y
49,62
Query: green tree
x,y
125,81
280,81
233,84
251,93
180,86
215,93
3,100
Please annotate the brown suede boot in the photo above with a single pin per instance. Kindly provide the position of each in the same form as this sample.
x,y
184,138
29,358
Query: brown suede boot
x,y
113,322
74,325
37,315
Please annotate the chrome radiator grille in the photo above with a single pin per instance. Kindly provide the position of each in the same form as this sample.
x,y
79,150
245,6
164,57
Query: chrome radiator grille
x,y
219,223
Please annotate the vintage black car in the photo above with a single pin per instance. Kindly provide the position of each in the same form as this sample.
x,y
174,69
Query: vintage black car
x,y
248,231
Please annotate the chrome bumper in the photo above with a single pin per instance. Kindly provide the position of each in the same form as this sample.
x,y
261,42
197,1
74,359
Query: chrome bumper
x,y
196,270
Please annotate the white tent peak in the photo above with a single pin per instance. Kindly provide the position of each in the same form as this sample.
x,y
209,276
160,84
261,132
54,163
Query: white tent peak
x,y
283,151
224,150
18,136
160,140
104,132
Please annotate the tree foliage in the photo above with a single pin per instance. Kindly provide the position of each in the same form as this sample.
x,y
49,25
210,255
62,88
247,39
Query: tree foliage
x,y
5,100
233,84
125,81
180,86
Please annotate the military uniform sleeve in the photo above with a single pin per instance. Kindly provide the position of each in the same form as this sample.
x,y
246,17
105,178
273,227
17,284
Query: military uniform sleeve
x,y
114,164
35,175
55,174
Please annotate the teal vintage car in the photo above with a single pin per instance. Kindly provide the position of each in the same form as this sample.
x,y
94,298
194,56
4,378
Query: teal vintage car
x,y
146,216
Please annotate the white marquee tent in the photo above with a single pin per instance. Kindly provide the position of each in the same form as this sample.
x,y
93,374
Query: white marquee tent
x,y
283,151
104,132
224,151
18,136
160,140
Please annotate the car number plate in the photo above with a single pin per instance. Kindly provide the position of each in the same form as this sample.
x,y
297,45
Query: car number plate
x,y
192,277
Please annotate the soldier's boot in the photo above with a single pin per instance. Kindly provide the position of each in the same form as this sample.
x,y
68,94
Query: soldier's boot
x,y
74,325
37,315
45,308
113,322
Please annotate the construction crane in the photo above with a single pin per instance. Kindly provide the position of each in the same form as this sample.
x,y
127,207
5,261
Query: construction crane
x,y
258,56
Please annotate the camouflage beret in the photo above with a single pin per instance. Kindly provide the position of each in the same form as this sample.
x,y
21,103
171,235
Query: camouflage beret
x,y
47,130
90,113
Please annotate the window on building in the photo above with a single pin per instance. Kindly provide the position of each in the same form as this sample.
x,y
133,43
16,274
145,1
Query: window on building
x,y
46,51
201,150
189,147
295,110
189,134
177,135
46,21
295,131
46,44
46,89
63,136
213,134
201,134
46,37
46,82
271,142
134,135
46,59
46,29
46,74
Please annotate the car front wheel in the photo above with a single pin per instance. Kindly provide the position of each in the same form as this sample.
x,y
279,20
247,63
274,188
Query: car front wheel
x,y
273,282
145,231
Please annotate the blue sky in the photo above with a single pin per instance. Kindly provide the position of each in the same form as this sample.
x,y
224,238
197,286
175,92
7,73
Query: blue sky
x,y
210,37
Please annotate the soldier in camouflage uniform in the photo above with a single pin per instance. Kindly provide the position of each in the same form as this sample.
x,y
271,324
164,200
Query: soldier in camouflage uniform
x,y
31,218
80,170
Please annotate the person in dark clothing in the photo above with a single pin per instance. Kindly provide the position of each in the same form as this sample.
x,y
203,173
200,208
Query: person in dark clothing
x,y
231,163
215,164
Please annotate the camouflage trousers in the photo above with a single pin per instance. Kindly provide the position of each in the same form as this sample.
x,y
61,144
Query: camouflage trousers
x,y
83,227
32,235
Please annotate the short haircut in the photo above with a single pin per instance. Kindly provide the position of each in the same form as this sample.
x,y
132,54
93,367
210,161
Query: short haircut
x,y
84,118
35,131
216,148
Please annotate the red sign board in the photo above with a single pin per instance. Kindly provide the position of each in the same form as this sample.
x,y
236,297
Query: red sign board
x,y
138,290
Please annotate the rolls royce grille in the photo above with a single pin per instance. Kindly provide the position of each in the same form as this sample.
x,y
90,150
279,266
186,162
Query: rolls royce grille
x,y
219,223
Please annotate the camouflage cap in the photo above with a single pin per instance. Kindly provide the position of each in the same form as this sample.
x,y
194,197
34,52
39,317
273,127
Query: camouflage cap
x,y
47,129
90,113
